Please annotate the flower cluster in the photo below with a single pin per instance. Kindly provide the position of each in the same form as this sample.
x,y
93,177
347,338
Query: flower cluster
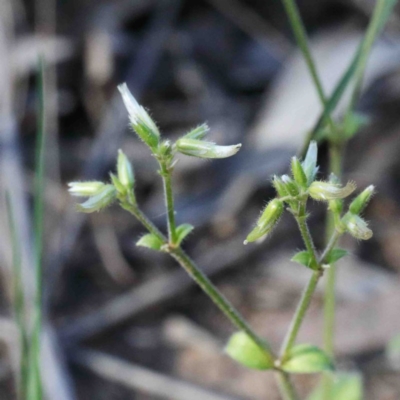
x,y
100,194
294,191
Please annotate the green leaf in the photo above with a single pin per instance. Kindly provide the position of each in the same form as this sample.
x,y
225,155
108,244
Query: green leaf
x,y
307,359
393,352
150,241
345,386
182,231
335,255
245,351
303,258
352,124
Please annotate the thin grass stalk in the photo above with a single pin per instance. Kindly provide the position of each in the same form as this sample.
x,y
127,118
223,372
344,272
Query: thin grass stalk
x,y
35,391
18,302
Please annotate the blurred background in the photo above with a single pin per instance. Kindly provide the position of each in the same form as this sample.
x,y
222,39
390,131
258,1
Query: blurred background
x,y
125,323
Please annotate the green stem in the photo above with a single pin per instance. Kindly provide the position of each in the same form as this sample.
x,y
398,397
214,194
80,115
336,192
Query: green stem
x,y
308,292
166,172
201,279
335,165
301,219
298,318
301,38
220,301
335,161
285,386
379,16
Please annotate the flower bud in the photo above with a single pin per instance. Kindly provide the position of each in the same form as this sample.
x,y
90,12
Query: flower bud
x,y
141,121
326,191
361,201
125,171
85,189
101,200
310,162
267,221
357,227
298,173
202,149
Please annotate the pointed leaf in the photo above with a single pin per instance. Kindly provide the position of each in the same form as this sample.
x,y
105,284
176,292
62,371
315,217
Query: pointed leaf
x,y
335,255
182,231
150,241
307,359
303,258
245,351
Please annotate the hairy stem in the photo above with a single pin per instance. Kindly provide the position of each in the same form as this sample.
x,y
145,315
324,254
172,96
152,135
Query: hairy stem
x,y
201,279
166,172
301,220
309,290
222,303
298,318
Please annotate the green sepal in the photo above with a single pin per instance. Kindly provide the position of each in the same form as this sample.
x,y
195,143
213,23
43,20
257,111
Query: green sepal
x,y
336,255
298,173
291,185
303,258
147,135
101,200
198,133
345,386
117,184
150,241
307,359
182,231
245,351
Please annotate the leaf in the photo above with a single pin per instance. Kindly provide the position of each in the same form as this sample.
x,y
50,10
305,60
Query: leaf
x,y
307,359
303,258
345,386
392,352
150,241
352,124
336,255
182,231
245,351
